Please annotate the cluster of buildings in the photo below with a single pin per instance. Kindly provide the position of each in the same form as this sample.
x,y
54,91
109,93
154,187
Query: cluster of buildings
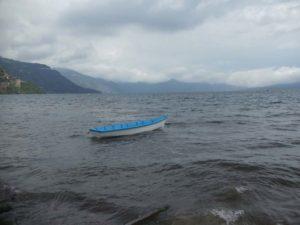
x,y
7,82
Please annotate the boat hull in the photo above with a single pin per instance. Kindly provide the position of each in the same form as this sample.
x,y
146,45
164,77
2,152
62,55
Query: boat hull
x,y
127,132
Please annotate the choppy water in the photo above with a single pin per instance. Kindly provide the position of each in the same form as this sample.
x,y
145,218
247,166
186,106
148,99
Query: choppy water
x,y
223,158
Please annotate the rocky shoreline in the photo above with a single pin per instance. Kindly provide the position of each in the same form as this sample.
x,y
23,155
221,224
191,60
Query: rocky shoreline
x,y
8,195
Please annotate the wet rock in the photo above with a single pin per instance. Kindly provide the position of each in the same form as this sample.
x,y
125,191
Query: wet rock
x,y
7,193
4,207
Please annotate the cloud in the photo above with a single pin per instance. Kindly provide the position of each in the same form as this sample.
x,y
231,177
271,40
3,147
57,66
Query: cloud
x,y
107,16
151,40
264,76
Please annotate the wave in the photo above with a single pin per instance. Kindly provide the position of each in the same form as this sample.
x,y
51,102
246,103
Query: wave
x,y
231,165
241,189
169,167
295,142
280,181
269,145
75,135
229,216
276,102
215,121
210,217
228,164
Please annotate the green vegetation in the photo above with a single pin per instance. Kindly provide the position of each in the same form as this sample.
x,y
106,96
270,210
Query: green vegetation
x,y
26,88
2,75
30,88
10,85
49,80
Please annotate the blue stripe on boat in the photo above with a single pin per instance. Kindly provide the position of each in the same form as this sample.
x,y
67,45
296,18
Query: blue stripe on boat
x,y
130,125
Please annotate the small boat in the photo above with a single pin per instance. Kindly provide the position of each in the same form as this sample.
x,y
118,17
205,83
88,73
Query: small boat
x,y
124,129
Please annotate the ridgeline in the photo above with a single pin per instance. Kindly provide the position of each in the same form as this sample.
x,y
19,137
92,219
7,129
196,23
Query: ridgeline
x,y
42,76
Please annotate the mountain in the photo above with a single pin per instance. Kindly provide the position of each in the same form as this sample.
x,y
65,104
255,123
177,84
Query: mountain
x,y
86,81
11,85
140,87
173,86
49,80
295,85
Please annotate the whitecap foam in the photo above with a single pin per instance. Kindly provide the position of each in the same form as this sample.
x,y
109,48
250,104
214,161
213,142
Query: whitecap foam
x,y
229,216
241,189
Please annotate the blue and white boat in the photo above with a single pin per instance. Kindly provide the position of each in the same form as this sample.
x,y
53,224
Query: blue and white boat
x,y
124,129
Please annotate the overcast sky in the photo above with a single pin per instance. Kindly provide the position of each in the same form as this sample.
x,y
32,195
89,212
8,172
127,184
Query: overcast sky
x,y
248,43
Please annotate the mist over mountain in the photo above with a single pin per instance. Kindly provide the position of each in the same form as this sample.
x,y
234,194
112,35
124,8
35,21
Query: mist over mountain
x,y
295,85
49,80
62,80
173,86
89,82
140,87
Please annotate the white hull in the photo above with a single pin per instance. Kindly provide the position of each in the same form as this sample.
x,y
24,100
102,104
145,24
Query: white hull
x,y
127,132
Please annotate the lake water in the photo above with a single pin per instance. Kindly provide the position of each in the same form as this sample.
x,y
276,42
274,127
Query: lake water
x,y
223,158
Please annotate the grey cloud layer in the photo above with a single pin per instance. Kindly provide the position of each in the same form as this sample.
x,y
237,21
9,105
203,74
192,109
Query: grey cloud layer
x,y
162,15
154,40
96,16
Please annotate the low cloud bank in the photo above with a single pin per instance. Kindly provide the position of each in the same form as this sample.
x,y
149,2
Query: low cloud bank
x,y
264,77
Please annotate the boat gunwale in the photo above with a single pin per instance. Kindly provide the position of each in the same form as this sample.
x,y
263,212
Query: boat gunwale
x,y
162,118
